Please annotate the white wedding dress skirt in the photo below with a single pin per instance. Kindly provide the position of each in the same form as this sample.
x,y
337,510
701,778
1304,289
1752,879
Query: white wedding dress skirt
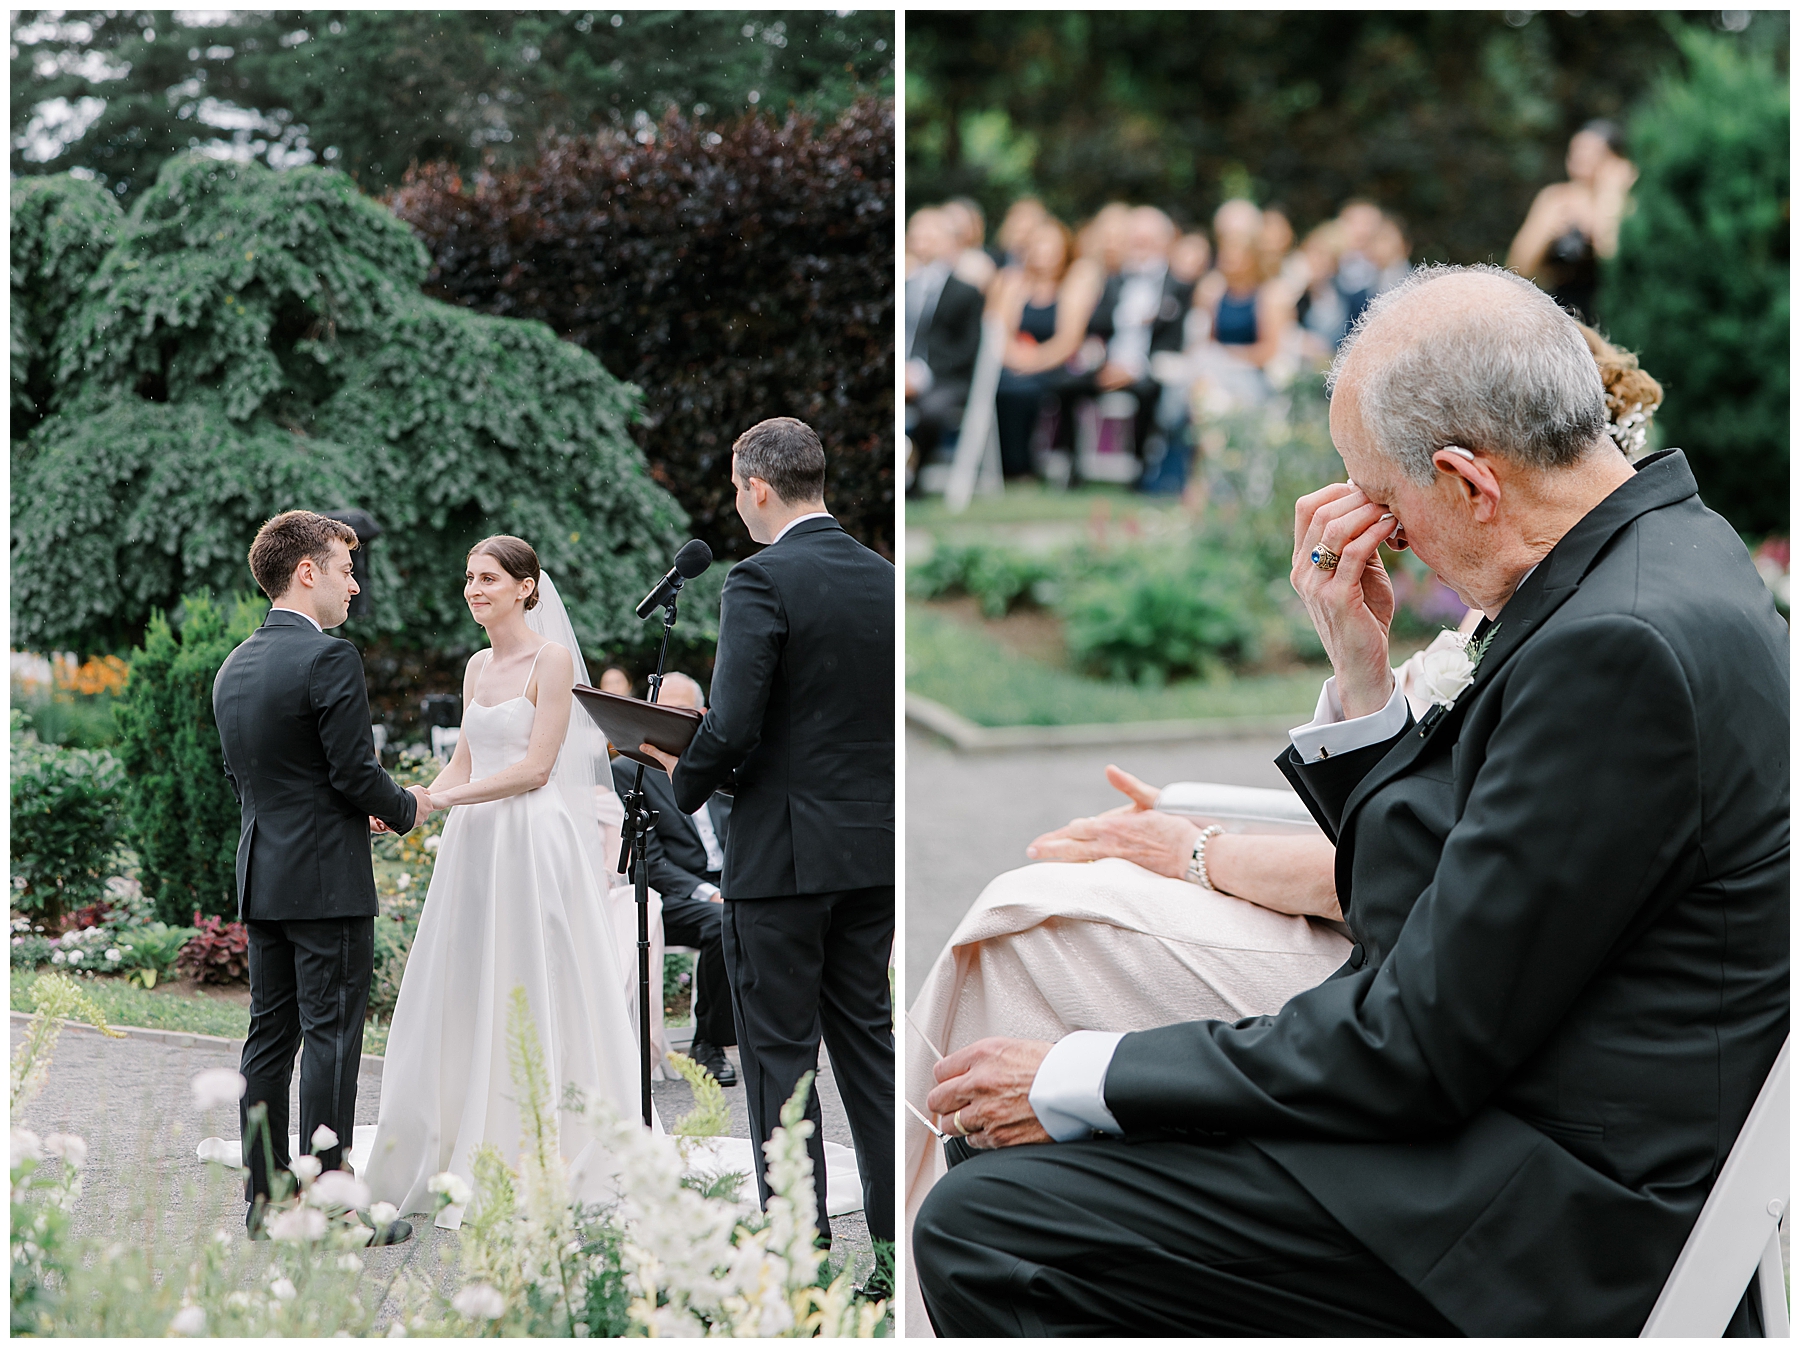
x,y
514,902
1102,945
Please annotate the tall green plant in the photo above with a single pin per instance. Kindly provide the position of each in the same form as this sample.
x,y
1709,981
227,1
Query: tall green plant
x,y
66,819
1699,288
184,818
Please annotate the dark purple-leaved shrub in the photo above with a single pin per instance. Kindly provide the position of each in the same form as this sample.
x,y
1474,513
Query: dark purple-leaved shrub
x,y
217,952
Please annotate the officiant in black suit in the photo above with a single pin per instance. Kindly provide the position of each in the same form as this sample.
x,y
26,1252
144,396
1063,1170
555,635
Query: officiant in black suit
x,y
1568,884
293,717
686,854
801,732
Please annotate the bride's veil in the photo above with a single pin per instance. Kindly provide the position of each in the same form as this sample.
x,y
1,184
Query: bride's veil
x,y
583,757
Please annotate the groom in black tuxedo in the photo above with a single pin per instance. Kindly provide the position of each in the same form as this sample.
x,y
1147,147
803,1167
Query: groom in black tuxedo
x,y
293,717
686,856
1568,884
801,732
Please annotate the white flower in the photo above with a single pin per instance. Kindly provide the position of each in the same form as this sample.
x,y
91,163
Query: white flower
x,y
115,955
431,843
282,1289
238,1301
57,957
479,1302
217,1086
396,1330
306,1169
453,1187
323,1139
297,1224
336,1189
75,957
1445,672
25,1145
189,1320
404,881
349,1263
383,1214
68,1147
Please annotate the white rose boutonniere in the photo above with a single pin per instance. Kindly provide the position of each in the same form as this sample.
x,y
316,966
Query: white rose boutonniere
x,y
1447,668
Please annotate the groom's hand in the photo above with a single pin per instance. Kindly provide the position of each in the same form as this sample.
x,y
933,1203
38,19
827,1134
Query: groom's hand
x,y
423,797
668,761
984,1092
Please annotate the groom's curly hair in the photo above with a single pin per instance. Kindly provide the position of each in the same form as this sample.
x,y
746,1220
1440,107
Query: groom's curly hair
x,y
283,542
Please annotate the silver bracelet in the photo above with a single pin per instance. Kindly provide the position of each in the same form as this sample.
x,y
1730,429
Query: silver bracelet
x,y
1196,871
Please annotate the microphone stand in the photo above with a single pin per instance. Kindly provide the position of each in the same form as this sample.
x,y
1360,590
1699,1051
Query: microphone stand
x,y
639,820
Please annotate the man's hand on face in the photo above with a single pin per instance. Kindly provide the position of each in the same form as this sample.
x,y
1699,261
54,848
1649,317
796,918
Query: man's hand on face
x,y
668,761
1352,605
1136,832
984,1092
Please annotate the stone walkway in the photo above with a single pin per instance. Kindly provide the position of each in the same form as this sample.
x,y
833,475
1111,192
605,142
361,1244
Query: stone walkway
x,y
131,1100
970,816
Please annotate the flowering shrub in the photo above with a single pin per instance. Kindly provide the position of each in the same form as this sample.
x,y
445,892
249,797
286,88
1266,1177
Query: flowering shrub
x,y
663,1257
218,952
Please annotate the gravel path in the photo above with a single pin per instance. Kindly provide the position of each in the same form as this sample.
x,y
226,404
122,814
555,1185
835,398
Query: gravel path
x,y
130,1099
970,816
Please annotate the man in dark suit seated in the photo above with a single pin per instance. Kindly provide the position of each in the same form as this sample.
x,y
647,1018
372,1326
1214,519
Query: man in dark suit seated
x,y
687,859
943,334
1568,884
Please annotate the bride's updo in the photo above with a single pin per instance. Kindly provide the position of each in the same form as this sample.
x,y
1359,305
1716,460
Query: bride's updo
x,y
516,557
1632,396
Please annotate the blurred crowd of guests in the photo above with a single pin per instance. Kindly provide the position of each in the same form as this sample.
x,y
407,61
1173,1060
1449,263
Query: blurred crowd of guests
x,y
1116,335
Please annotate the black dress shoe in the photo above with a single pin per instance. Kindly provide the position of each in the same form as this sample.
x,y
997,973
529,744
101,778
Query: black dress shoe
x,y
710,1056
392,1234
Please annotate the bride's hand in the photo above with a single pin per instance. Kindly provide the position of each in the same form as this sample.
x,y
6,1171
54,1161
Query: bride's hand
x,y
1158,842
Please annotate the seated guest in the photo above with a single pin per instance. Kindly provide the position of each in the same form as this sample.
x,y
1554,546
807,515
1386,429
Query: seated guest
x,y
687,855
1565,883
1358,278
943,334
615,680
974,263
1023,216
1249,307
1320,305
1044,305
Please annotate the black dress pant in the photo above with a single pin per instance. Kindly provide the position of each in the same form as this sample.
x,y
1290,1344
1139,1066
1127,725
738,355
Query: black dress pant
x,y
700,923
309,981
1108,1237
808,965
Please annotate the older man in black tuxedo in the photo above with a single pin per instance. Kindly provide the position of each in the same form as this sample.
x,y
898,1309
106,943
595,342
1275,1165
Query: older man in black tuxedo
x,y
686,854
293,717
801,732
1568,886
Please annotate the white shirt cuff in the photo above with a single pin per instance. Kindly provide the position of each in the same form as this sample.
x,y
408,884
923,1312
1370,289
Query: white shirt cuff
x,y
1069,1092
1328,734
705,890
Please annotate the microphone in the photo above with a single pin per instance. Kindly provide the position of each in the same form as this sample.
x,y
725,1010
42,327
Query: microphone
x,y
693,558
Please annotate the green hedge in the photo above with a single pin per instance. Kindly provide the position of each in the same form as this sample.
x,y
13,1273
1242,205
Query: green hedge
x,y
67,824
184,817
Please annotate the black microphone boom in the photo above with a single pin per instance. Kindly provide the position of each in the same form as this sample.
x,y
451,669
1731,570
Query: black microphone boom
x,y
693,558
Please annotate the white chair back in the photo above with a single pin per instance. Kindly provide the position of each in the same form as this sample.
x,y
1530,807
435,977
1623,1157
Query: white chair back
x,y
1739,1232
1253,809
977,462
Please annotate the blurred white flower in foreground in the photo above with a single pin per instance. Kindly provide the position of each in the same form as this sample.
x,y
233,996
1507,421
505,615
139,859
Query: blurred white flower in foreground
x,y
217,1086
383,1214
68,1147
323,1139
282,1289
453,1187
297,1224
306,1168
335,1189
189,1320
25,1146
479,1302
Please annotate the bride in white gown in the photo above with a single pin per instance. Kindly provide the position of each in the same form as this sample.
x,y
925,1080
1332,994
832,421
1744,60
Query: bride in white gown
x,y
518,898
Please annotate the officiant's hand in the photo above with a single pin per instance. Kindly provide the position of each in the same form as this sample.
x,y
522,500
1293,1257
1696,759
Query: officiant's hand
x,y
1136,832
984,1092
668,761
1352,605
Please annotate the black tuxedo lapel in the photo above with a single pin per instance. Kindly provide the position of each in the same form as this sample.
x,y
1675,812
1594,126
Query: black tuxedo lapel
x,y
1662,480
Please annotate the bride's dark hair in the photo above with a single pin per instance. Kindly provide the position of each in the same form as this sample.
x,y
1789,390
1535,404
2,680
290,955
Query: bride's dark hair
x,y
517,558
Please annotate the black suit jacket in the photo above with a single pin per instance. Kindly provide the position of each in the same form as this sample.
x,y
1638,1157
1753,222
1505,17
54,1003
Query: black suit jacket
x,y
677,856
801,728
293,716
1570,896
951,334
1166,330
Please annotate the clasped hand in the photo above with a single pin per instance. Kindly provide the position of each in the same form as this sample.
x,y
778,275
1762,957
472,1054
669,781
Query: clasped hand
x,y
425,807
1352,606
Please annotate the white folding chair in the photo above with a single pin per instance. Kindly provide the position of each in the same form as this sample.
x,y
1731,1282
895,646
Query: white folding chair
x,y
1739,1232
977,463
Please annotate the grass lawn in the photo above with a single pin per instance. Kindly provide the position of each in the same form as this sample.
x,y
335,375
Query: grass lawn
x,y
966,669
1031,502
171,1007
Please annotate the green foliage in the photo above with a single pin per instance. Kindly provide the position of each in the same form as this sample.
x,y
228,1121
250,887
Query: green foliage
x,y
62,228
255,342
372,91
733,273
710,1116
67,820
1699,288
1158,617
125,1003
70,720
185,820
999,577
1453,119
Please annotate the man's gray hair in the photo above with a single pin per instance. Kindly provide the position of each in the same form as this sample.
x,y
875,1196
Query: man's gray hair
x,y
1516,380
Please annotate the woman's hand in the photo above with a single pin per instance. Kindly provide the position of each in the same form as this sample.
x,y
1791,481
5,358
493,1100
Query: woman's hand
x,y
1351,606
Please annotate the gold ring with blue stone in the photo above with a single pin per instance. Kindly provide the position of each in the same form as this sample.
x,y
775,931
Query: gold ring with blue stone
x,y
1324,558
